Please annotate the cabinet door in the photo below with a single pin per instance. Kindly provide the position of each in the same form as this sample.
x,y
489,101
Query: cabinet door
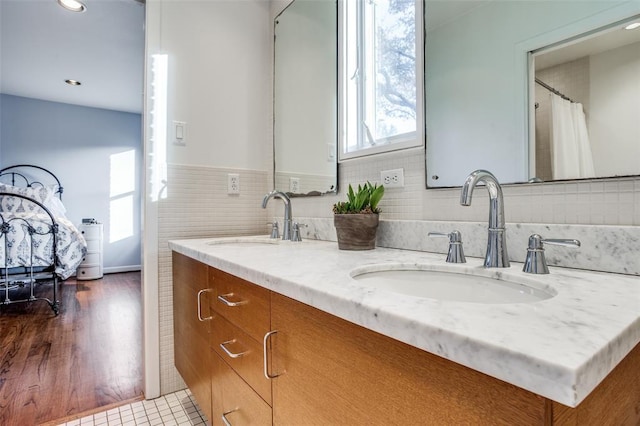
x,y
190,335
234,399
243,354
244,304
335,372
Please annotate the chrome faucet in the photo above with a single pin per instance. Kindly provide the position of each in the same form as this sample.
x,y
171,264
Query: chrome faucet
x,y
286,227
497,256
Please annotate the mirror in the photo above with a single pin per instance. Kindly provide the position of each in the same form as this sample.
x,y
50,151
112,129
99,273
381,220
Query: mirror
x,y
587,104
480,86
306,98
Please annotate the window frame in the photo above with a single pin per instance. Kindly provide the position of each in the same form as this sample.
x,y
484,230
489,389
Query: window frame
x,y
415,139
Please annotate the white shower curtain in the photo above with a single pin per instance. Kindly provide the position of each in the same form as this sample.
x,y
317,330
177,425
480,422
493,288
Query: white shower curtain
x,y
570,146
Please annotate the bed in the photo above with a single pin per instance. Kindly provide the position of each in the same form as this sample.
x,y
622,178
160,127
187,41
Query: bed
x,y
39,246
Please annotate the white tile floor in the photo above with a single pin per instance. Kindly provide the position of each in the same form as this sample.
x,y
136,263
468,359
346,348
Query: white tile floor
x,y
174,409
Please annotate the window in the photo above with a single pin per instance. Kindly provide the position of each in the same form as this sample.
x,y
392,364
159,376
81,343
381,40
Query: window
x,y
381,71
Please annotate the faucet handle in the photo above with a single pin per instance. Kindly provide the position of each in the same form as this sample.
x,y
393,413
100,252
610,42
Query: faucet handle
x,y
536,263
275,231
456,253
296,231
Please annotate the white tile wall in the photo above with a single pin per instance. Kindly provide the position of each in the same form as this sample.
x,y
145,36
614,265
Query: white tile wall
x,y
197,205
605,201
308,183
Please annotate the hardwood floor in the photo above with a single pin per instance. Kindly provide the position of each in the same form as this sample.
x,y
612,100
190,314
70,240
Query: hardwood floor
x,y
87,357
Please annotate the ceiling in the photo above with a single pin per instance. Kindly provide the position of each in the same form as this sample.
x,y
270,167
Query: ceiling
x,y
43,44
598,42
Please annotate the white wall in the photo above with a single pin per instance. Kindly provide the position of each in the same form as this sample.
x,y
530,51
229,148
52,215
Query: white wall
x,y
83,147
220,59
218,81
615,98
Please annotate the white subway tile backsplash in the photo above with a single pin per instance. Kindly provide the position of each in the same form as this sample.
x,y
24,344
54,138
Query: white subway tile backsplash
x,y
581,202
197,205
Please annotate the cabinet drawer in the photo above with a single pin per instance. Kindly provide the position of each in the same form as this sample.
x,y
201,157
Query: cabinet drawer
x,y
88,273
232,398
244,304
91,232
94,245
91,259
243,353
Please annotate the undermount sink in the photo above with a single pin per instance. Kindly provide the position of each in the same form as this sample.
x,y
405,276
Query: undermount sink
x,y
243,241
471,285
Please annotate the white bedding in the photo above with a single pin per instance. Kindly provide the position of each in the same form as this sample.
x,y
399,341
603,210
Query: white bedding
x,y
71,245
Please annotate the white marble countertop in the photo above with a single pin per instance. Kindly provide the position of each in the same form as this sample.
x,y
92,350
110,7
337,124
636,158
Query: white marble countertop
x,y
560,348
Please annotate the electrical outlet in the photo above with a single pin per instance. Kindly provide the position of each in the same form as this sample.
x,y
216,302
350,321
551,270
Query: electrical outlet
x,y
392,178
233,183
294,185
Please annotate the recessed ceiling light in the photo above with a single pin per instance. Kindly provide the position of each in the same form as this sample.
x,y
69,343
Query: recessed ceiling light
x,y
73,82
632,26
72,5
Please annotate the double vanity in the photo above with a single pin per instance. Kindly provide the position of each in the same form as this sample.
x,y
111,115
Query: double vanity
x,y
315,335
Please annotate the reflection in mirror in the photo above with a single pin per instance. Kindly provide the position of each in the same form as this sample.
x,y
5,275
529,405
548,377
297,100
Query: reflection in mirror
x,y
587,106
305,98
479,86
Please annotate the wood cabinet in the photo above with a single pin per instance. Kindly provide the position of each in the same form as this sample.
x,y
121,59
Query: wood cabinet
x,y
234,399
330,371
335,372
190,333
241,316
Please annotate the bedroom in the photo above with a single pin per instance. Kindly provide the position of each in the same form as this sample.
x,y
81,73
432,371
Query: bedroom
x,y
89,136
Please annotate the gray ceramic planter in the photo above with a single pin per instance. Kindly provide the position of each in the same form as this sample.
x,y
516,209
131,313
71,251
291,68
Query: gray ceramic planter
x,y
356,231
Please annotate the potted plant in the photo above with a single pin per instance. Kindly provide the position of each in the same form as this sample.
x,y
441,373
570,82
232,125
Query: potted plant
x,y
356,220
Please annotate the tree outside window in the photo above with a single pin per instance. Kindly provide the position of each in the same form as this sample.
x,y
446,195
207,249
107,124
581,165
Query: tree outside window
x,y
382,94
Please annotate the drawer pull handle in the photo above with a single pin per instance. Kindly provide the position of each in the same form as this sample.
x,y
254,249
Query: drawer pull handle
x,y
234,355
223,299
265,347
206,290
224,417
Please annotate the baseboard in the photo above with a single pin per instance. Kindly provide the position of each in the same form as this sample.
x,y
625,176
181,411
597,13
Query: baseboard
x,y
125,268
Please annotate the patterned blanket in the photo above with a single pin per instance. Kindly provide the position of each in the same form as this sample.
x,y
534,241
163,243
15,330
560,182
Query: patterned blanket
x,y
20,247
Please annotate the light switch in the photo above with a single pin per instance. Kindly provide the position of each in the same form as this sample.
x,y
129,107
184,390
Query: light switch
x,y
180,133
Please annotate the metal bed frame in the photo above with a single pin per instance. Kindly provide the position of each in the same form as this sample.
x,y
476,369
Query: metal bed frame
x,y
13,278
